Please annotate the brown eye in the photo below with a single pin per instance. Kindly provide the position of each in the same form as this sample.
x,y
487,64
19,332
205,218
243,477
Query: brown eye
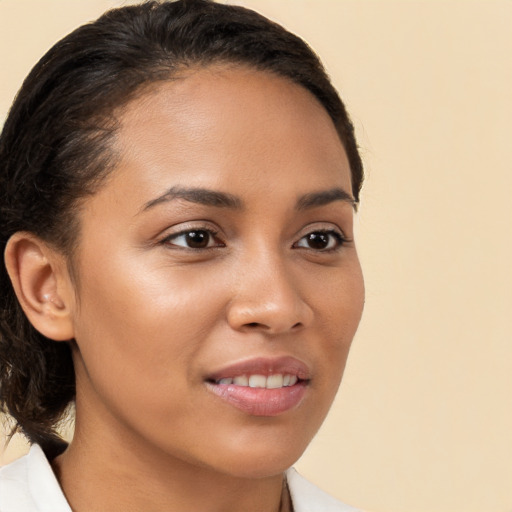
x,y
193,239
321,241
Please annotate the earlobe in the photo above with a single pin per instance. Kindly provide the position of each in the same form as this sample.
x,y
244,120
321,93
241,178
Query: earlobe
x,y
41,282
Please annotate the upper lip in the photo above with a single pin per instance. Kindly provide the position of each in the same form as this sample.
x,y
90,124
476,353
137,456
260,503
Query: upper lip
x,y
286,365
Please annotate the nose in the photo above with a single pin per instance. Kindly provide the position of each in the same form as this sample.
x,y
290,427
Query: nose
x,y
268,299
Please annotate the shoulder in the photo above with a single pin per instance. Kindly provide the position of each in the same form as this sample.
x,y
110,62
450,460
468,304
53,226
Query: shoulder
x,y
29,485
307,497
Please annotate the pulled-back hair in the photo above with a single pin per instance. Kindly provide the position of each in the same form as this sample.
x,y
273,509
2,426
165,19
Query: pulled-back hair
x,y
55,150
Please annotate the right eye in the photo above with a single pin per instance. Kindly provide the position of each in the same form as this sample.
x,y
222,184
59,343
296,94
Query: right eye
x,y
194,239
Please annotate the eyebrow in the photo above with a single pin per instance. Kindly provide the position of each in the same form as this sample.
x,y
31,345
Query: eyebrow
x,y
324,197
198,195
218,199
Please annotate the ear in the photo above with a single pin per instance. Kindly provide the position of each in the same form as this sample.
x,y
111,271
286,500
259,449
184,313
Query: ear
x,y
42,284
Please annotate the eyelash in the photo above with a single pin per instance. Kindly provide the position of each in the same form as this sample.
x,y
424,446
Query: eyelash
x,y
332,235
210,232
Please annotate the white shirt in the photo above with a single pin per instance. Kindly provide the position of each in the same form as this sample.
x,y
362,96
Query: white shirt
x,y
29,485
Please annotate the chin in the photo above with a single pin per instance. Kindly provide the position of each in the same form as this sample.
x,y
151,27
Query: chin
x,y
260,468
262,460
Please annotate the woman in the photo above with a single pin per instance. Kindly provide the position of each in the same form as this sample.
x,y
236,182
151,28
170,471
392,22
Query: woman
x,y
178,186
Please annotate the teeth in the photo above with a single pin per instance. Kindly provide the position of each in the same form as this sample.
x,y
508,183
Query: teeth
x,y
257,381
275,381
241,381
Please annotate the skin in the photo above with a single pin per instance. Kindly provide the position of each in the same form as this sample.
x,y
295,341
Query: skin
x,y
153,318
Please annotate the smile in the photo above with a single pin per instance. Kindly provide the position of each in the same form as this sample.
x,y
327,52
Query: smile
x,y
262,387
275,381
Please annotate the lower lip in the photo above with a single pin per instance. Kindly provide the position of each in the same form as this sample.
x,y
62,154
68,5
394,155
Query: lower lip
x,y
261,401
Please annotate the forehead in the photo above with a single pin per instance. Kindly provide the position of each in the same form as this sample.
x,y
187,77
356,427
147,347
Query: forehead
x,y
224,122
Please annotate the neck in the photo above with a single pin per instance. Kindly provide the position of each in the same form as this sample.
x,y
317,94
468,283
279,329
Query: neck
x,y
103,475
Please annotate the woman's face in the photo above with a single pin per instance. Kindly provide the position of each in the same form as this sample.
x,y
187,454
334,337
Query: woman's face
x,y
219,287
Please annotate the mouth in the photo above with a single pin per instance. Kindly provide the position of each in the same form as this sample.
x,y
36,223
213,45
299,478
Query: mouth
x,y
274,381
262,387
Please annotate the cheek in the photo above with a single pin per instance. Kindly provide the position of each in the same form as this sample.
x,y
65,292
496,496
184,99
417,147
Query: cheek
x,y
338,296
339,305
144,322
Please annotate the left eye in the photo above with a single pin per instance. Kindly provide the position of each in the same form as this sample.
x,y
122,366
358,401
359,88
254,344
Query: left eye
x,y
193,239
321,241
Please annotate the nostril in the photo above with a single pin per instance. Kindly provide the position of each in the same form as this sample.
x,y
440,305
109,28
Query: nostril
x,y
258,325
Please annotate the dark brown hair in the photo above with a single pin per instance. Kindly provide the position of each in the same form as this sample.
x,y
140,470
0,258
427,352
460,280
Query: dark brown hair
x,y
55,150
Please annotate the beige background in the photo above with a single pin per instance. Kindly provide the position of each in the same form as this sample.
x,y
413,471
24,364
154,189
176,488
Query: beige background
x,y
423,422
